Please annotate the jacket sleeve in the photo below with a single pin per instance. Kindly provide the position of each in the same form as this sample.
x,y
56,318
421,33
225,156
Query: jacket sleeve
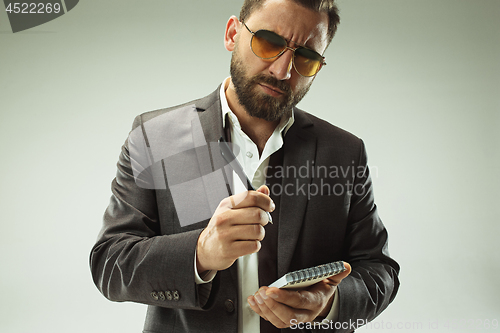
x,y
373,282
133,260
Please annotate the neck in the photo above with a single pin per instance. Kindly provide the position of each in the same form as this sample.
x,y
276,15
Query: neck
x,y
257,129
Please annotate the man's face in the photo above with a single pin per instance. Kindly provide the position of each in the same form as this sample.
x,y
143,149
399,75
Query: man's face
x,y
268,89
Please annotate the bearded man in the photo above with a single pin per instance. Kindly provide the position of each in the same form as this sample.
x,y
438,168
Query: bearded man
x,y
187,235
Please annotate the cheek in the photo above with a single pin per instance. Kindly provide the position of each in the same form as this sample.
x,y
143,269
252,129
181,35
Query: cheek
x,y
299,83
253,63
261,65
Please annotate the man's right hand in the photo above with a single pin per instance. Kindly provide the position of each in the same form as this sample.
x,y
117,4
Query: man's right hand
x,y
236,229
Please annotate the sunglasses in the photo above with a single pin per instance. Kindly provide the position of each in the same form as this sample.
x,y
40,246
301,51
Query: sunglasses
x,y
266,44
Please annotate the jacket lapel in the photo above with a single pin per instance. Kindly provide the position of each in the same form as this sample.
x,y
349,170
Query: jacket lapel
x,y
299,154
210,119
210,115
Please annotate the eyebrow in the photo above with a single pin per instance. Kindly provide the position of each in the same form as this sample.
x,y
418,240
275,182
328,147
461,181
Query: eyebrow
x,y
297,44
286,39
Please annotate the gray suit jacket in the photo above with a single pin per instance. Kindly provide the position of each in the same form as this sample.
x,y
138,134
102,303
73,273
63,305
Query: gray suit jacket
x,y
326,213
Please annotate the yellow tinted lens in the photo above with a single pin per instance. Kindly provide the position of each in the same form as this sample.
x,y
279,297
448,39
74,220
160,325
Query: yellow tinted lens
x,y
307,62
267,44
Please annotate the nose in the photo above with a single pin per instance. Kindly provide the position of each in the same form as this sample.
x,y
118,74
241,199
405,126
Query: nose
x,y
281,68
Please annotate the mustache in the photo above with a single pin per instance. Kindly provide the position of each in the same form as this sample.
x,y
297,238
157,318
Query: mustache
x,y
274,82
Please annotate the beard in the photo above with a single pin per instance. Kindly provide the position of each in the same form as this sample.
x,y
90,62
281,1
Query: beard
x,y
258,104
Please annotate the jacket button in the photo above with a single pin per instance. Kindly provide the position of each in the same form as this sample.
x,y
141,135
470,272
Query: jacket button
x,y
168,295
176,295
161,295
154,295
229,305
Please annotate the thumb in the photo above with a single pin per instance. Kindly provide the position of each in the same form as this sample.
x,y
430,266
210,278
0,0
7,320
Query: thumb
x,y
336,279
264,189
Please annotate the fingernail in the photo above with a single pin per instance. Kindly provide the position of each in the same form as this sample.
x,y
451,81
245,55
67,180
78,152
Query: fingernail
x,y
272,295
258,299
273,206
250,300
263,294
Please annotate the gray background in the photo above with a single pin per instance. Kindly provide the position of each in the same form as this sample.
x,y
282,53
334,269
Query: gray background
x,y
417,80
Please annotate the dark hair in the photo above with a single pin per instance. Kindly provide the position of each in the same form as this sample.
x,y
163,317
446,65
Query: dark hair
x,y
321,6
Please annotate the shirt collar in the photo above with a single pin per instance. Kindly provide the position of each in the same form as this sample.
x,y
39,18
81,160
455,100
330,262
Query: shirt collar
x,y
283,126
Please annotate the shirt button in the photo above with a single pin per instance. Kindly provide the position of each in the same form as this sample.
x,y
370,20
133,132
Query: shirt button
x,y
229,305
249,154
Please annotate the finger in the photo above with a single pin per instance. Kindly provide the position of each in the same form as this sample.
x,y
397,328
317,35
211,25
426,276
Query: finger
x,y
246,232
253,305
336,279
242,248
310,299
264,189
297,299
241,216
272,310
250,199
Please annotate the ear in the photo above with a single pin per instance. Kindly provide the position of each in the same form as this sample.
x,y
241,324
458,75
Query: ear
x,y
232,29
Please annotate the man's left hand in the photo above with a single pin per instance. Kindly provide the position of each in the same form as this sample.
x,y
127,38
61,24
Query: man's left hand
x,y
281,306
